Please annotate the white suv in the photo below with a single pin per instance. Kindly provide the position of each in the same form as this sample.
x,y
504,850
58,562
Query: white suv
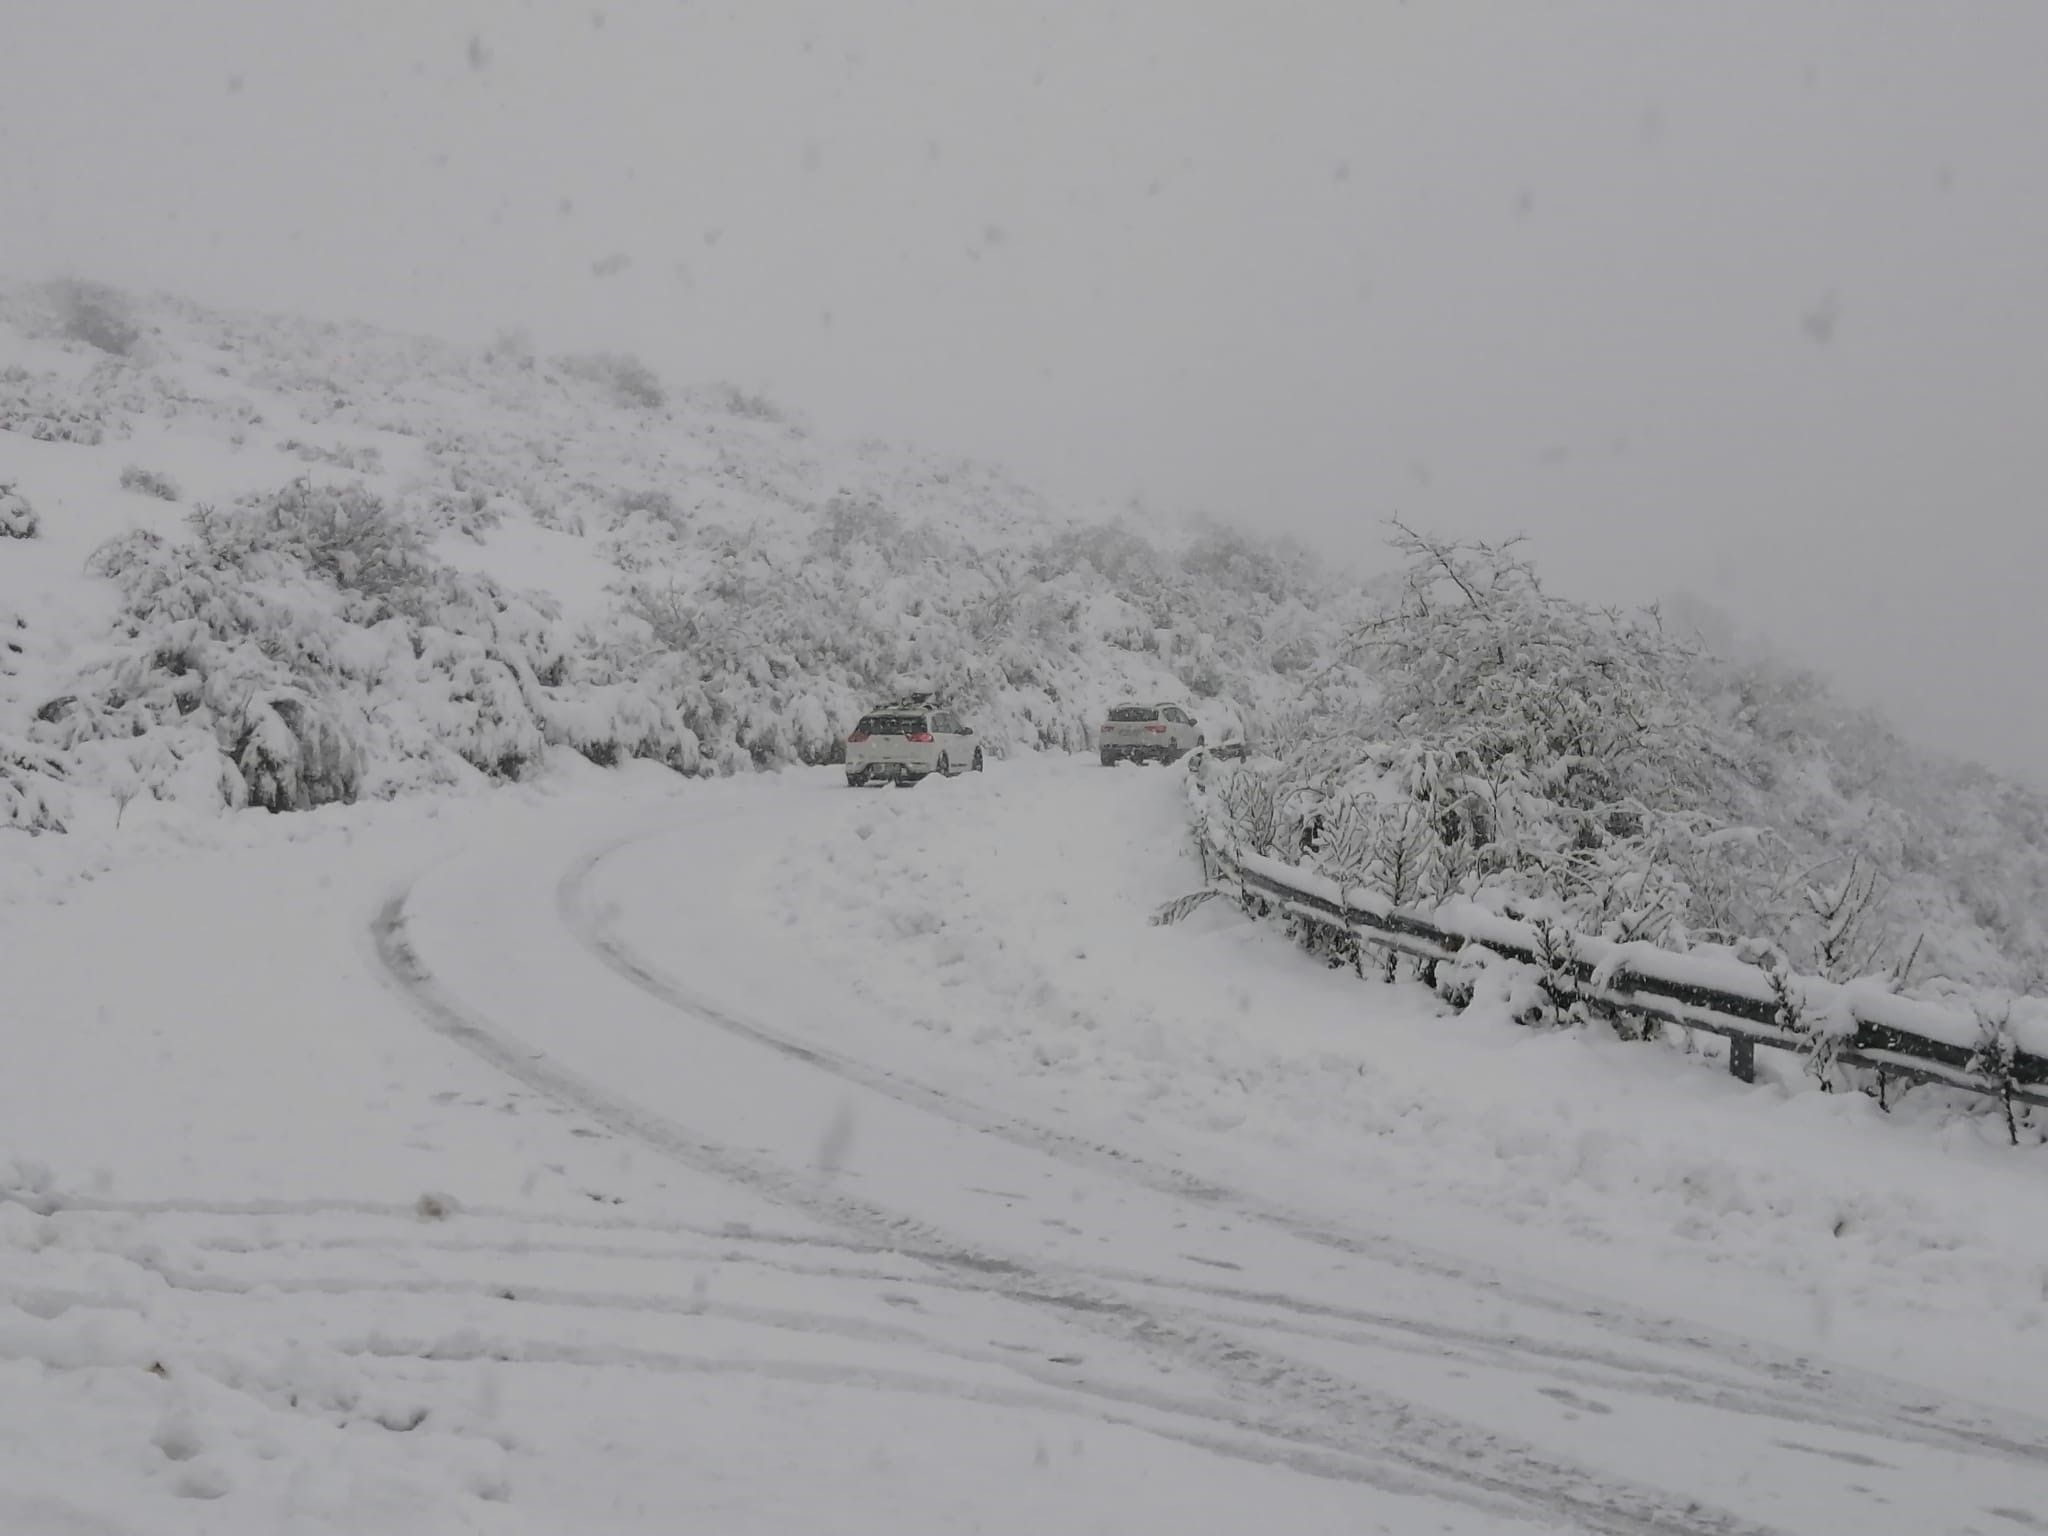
x,y
1157,733
903,742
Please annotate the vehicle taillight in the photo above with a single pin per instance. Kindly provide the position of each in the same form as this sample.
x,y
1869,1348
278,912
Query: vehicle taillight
x,y
919,736
1156,730
857,738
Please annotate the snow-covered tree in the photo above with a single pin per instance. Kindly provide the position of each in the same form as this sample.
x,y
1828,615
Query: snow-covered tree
x,y
18,519
1563,759
1550,747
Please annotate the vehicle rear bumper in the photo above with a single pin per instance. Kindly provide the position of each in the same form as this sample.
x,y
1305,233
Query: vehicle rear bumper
x,y
866,773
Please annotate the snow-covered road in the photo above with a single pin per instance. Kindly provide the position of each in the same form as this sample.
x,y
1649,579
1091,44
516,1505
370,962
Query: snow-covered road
x,y
758,1155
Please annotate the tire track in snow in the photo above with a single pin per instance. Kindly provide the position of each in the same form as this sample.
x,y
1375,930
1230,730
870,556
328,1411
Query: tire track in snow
x,y
1395,1445
1787,1385
58,1203
628,1304
1367,1329
1286,1315
1344,1325
459,1340
584,1356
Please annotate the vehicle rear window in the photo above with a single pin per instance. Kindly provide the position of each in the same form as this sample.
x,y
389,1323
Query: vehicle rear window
x,y
1133,712
892,725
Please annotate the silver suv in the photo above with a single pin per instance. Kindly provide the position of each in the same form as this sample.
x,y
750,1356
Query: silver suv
x,y
911,739
1155,733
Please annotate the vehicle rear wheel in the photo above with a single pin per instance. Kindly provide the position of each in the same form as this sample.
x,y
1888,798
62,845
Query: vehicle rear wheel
x,y
856,780
945,766
1109,759
977,760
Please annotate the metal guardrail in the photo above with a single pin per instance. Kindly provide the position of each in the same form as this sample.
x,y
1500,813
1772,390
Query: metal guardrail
x,y
1899,1038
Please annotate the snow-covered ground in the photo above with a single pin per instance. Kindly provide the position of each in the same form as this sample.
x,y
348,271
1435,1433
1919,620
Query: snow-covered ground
x,y
619,1153
612,1151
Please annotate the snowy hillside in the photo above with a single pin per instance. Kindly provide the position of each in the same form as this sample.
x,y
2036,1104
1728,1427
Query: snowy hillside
x,y
264,561
256,560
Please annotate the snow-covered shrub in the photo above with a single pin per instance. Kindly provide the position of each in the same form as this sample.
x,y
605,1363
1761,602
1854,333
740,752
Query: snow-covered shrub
x,y
302,648
1844,905
751,404
647,524
119,391
149,482
466,696
1997,1058
30,775
1404,853
1253,817
344,533
1556,969
30,785
611,722
512,348
42,407
1518,744
627,380
94,314
18,519
358,459
294,755
1480,977
1225,558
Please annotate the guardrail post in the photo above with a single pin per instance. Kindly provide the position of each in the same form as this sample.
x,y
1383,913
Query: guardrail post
x,y
1742,1058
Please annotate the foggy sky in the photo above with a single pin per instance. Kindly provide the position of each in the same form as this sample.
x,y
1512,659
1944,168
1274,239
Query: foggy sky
x,y
1750,299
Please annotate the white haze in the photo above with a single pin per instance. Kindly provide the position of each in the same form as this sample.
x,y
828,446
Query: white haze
x,y
1742,299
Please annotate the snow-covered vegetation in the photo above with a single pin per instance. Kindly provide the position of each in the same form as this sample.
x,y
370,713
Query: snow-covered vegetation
x,y
1607,772
17,517
407,563
147,482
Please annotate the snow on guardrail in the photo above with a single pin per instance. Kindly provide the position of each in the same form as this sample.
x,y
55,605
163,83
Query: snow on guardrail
x,y
1852,1024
